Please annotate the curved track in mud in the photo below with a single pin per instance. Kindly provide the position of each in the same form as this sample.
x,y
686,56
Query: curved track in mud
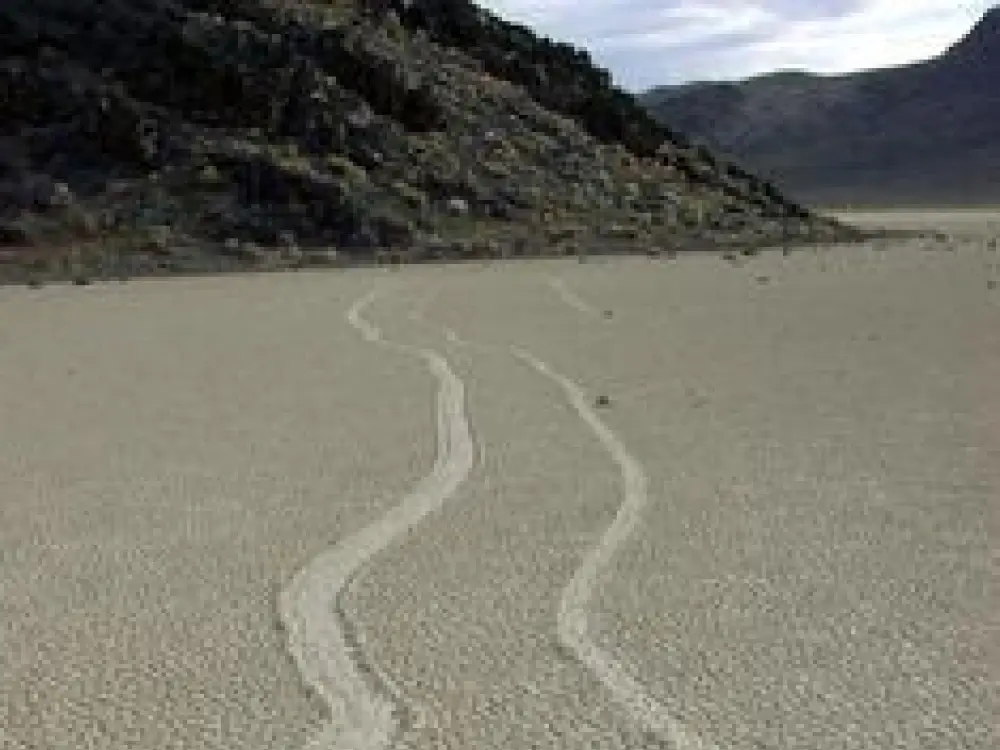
x,y
322,650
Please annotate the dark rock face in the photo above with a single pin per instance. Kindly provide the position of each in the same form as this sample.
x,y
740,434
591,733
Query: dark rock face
x,y
926,133
349,126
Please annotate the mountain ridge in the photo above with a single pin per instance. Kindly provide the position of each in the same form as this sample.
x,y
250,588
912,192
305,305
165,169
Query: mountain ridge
x,y
924,133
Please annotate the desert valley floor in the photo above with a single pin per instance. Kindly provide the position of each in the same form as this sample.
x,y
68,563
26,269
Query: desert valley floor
x,y
625,503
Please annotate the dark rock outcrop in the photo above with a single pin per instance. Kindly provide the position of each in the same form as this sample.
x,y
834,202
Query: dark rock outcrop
x,y
220,124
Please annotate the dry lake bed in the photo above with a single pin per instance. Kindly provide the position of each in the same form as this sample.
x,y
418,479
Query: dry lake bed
x,y
630,503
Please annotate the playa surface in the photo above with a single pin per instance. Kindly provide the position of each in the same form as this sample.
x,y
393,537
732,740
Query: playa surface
x,y
373,509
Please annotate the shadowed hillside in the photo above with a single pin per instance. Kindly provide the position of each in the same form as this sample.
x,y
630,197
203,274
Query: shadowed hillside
x,y
210,134
920,134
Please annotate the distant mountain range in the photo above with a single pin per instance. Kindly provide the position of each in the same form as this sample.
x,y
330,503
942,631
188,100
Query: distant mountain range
x,y
927,133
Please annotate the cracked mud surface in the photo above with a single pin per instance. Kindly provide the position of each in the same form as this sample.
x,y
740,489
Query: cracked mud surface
x,y
814,567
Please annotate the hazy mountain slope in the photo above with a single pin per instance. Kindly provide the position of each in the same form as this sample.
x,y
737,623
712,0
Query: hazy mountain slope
x,y
207,131
922,133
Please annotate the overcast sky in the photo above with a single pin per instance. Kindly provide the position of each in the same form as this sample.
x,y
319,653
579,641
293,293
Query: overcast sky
x,y
649,42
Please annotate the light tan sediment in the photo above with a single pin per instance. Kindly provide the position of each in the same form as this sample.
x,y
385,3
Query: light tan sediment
x,y
363,715
814,567
569,296
464,614
174,451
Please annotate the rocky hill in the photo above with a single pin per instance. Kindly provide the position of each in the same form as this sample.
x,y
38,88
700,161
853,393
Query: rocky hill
x,y
920,134
186,135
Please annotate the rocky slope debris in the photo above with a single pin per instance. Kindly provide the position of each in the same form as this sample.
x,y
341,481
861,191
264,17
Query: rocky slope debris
x,y
200,135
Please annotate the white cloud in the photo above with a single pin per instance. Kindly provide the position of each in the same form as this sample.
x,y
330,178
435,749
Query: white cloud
x,y
881,34
646,42
693,24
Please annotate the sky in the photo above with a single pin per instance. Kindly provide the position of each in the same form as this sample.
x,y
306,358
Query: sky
x,y
650,42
